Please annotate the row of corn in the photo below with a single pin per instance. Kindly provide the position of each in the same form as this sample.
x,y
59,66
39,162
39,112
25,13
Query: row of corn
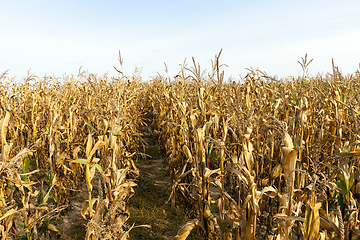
x,y
60,134
263,158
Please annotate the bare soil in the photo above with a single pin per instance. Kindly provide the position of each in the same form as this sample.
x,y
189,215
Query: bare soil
x,y
147,206
74,227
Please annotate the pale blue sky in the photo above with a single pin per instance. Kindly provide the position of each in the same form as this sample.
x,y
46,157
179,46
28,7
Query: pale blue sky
x,y
57,37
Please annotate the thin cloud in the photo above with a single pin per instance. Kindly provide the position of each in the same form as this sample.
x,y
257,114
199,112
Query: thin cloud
x,y
59,37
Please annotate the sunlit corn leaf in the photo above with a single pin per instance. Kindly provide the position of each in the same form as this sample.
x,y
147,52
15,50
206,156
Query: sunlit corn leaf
x,y
53,228
209,172
99,144
312,221
290,162
88,145
269,191
288,141
185,230
276,171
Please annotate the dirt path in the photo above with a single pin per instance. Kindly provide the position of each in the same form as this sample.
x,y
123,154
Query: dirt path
x,y
152,192
74,227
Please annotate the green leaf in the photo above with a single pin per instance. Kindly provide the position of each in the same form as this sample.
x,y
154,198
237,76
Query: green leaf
x,y
295,97
351,179
201,106
341,200
186,125
90,125
207,209
208,125
100,168
24,237
269,191
40,198
81,160
84,161
352,109
43,228
305,81
25,169
346,147
47,195
213,154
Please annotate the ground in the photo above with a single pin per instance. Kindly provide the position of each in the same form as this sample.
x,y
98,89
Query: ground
x,y
147,206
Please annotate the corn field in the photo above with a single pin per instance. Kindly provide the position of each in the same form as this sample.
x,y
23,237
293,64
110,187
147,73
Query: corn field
x,y
56,134
260,159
